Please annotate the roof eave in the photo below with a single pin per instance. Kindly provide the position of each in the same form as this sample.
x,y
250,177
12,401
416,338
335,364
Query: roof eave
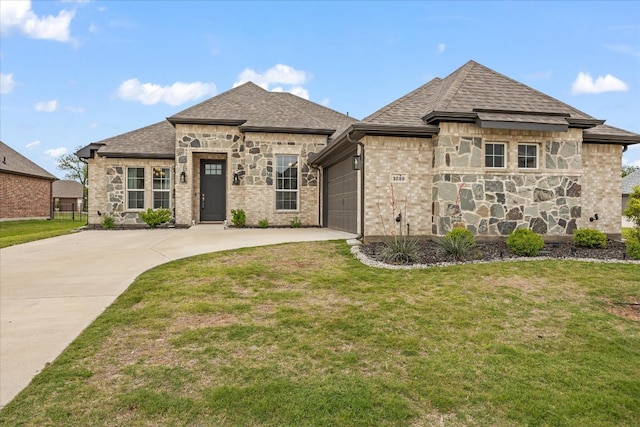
x,y
575,122
610,139
137,155
270,129
192,121
434,117
502,124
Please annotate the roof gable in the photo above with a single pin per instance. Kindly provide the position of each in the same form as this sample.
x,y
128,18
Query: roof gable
x,y
154,141
253,108
13,162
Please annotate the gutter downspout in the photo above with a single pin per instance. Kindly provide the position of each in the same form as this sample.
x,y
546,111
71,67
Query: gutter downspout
x,y
361,234
320,190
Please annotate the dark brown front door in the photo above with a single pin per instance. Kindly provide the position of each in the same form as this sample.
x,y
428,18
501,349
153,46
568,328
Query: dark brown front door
x,y
213,197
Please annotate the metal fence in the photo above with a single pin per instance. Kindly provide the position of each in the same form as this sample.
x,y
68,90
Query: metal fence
x,y
70,211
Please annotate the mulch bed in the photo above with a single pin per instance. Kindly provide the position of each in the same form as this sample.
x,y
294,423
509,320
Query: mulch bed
x,y
430,254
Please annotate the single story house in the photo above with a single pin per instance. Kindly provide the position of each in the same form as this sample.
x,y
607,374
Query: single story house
x,y
475,149
68,195
25,187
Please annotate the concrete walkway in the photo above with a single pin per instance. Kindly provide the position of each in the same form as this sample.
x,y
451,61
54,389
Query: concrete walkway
x,y
52,289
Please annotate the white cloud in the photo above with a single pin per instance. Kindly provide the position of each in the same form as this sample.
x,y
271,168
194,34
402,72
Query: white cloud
x,y
47,106
93,28
6,83
625,50
56,152
19,15
584,83
325,102
93,125
176,94
441,48
33,144
287,79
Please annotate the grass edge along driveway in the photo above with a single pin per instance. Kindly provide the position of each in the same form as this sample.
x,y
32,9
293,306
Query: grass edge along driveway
x,y
303,334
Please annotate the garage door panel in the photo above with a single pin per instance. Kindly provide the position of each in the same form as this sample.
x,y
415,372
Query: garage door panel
x,y
342,196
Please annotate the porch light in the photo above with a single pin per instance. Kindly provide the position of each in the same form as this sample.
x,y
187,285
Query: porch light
x,y
357,163
236,178
183,177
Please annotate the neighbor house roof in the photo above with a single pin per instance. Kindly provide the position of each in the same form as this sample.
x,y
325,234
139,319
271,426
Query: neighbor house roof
x,y
67,189
630,181
13,162
253,108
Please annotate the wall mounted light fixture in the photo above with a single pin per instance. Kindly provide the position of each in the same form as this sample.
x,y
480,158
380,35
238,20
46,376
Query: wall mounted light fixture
x,y
357,162
236,178
183,177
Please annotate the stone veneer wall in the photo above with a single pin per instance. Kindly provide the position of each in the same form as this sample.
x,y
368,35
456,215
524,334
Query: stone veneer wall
x,y
252,156
110,197
602,164
494,202
385,156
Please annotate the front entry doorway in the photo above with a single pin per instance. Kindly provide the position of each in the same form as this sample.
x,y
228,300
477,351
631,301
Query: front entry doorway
x,y
213,195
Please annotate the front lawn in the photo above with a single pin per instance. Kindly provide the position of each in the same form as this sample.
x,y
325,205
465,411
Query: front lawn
x,y
16,232
304,335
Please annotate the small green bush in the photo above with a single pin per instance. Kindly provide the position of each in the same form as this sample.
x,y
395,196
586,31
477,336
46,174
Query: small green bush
x,y
263,223
589,238
295,222
632,211
458,243
108,222
633,248
238,217
524,242
155,217
400,250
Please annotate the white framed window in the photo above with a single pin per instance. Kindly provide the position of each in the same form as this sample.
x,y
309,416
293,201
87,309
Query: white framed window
x,y
286,182
135,188
161,188
495,155
528,156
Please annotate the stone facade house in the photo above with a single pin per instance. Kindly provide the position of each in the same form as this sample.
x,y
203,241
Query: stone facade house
x,y
25,187
475,149
245,149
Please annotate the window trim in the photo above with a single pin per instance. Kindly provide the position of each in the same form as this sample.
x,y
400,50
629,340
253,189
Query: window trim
x,y
536,158
137,190
493,156
167,190
282,190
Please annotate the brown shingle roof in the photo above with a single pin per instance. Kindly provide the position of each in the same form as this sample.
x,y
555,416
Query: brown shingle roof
x,y
67,189
471,91
13,162
252,107
157,141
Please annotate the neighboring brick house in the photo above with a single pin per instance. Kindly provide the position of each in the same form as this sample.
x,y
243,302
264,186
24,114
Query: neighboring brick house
x,y
25,188
67,195
475,149
246,149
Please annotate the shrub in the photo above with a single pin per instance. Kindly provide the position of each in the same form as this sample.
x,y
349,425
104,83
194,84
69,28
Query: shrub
x,y
154,218
524,242
400,250
295,222
108,222
632,211
263,223
633,247
238,217
589,238
458,243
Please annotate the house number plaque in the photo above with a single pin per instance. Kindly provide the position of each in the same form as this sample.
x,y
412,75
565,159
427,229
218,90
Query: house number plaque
x,y
399,178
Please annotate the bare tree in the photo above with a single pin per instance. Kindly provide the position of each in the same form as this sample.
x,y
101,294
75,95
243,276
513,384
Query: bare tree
x,y
75,168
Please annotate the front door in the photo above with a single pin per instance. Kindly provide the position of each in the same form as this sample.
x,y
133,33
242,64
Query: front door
x,y
213,197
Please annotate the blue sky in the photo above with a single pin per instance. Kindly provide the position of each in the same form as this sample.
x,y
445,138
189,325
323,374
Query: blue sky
x,y
75,72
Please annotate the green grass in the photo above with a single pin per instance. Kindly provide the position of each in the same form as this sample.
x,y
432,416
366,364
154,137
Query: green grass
x,y
304,335
16,232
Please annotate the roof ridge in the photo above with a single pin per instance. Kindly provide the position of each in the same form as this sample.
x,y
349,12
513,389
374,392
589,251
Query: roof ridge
x,y
391,105
449,92
247,85
280,98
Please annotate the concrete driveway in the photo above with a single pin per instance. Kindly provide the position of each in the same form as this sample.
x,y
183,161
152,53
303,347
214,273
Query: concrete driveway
x,y
52,289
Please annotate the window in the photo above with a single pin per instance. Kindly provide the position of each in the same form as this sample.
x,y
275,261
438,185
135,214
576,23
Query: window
x,y
135,188
286,182
161,187
213,169
528,156
494,155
